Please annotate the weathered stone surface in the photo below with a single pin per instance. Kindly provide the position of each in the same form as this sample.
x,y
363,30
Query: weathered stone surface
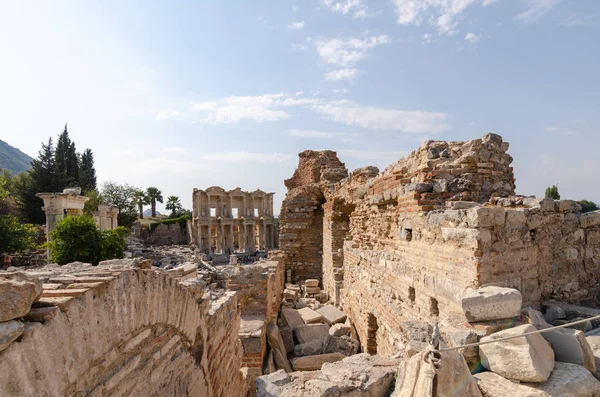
x,y
17,292
272,385
9,331
535,318
594,342
281,361
494,385
491,303
339,330
311,282
288,338
291,317
274,337
309,316
332,315
311,363
554,313
526,358
570,346
342,344
309,332
570,380
309,348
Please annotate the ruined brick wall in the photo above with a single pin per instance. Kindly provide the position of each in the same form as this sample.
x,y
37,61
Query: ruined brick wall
x,y
301,217
138,332
165,234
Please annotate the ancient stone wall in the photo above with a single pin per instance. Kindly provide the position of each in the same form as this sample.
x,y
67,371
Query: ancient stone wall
x,y
131,332
164,234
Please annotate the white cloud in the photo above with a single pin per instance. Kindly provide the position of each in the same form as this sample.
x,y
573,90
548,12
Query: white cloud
x,y
341,74
174,149
341,91
445,15
167,114
243,156
343,136
299,47
346,52
294,8
472,38
356,8
295,26
536,9
412,121
561,130
233,109
428,38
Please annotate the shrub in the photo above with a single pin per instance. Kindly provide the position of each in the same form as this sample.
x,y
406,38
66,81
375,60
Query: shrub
x,y
15,236
587,206
182,221
113,243
552,192
75,238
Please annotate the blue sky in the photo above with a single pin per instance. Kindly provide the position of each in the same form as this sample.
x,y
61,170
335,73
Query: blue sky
x,y
194,94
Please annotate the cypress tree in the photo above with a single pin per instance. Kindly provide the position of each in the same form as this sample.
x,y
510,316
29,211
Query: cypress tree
x,y
67,164
87,172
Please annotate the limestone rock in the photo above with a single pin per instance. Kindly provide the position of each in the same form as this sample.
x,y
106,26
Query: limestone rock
x,y
342,344
312,363
9,331
570,346
288,338
491,303
270,364
332,315
311,348
17,292
494,385
554,313
291,317
311,282
281,361
272,385
570,380
535,317
527,358
339,330
308,332
309,316
274,337
594,342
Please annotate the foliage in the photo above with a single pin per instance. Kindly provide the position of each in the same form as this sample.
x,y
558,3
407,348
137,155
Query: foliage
x,y
123,197
173,204
15,236
113,243
95,199
75,238
154,195
12,159
140,199
552,192
66,161
182,221
588,206
87,172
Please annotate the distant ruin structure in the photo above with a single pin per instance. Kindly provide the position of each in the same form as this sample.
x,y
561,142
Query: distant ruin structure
x,y
233,221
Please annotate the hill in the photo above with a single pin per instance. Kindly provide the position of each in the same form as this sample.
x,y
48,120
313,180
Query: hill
x,y
13,159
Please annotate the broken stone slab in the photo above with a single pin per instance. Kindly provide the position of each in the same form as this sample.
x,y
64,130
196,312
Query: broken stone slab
x,y
525,358
570,380
535,318
9,331
288,338
331,314
416,330
270,364
17,292
570,346
312,290
272,385
309,332
311,282
312,363
491,303
494,385
594,342
291,317
554,313
274,337
311,348
341,344
309,316
339,330
281,361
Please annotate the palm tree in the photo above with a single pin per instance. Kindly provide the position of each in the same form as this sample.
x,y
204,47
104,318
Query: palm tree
x,y
140,198
154,195
173,204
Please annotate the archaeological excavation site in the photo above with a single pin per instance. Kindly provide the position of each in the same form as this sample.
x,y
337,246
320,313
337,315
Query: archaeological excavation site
x,y
429,278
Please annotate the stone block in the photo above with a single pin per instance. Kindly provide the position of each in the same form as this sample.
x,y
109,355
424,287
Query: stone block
x,y
341,344
291,317
570,346
590,219
271,385
494,385
312,290
485,217
547,205
17,292
491,303
309,332
9,331
339,330
313,363
309,316
281,361
526,358
570,380
274,337
311,348
332,315
311,282
594,342
288,338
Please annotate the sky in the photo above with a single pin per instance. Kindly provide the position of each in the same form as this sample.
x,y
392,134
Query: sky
x,y
192,94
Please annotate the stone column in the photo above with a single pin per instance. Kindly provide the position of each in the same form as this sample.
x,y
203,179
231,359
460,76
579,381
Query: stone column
x,y
230,237
242,237
209,237
253,238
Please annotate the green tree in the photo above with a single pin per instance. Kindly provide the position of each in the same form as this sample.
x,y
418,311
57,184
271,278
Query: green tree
x,y
587,206
42,177
552,192
95,199
113,243
87,172
67,161
173,204
75,238
154,195
15,236
123,197
140,199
